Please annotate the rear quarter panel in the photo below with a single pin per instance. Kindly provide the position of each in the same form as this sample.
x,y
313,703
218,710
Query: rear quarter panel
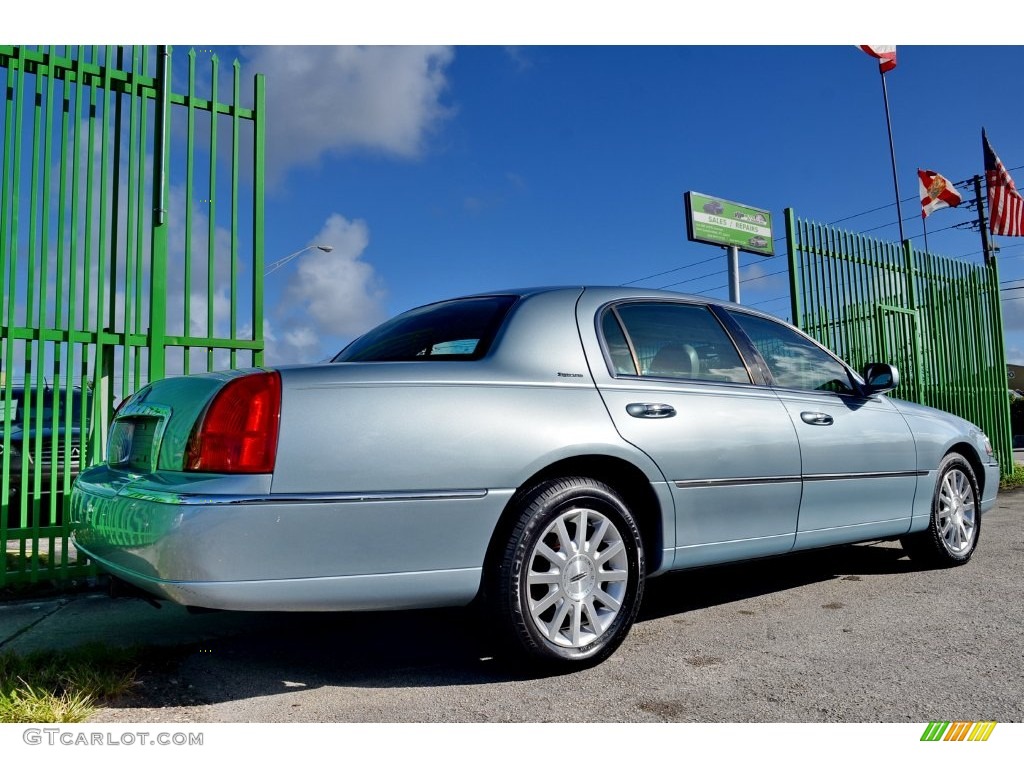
x,y
443,425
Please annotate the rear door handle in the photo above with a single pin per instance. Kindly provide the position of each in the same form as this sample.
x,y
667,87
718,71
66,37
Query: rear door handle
x,y
816,419
650,410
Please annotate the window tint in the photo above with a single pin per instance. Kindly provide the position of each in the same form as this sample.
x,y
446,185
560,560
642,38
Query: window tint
x,y
43,401
678,341
794,361
618,348
462,329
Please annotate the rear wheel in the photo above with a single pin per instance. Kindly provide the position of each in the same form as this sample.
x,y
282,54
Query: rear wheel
x,y
571,576
952,533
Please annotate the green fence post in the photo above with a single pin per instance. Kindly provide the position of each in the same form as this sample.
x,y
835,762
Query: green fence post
x,y
258,196
158,275
795,284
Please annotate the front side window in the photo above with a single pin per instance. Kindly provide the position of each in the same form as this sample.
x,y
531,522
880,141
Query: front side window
x,y
794,361
461,329
670,340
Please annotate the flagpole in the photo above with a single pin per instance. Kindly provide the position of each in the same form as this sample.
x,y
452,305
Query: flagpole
x,y
892,154
924,213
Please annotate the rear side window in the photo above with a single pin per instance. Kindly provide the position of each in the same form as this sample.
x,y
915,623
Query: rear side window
x,y
461,329
670,340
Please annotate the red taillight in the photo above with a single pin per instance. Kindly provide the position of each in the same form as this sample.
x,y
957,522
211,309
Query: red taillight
x,y
239,431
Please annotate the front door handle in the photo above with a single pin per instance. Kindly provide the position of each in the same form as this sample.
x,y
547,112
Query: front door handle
x,y
816,419
650,410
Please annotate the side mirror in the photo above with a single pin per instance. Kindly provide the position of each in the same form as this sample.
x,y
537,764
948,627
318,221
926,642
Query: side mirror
x,y
879,378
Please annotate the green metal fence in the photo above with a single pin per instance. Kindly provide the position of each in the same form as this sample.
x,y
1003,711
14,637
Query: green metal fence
x,y
937,319
131,247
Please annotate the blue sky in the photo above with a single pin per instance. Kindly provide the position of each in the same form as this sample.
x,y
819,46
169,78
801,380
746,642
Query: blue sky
x,y
537,165
446,169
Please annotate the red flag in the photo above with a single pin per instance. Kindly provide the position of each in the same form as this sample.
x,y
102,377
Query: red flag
x,y
1005,206
886,55
936,192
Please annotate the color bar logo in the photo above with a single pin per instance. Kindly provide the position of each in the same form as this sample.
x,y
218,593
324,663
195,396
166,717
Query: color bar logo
x,y
958,731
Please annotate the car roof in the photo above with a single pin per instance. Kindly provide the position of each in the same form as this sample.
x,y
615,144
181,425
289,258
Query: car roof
x,y
616,293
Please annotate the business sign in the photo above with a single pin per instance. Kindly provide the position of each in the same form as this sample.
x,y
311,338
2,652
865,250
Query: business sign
x,y
723,222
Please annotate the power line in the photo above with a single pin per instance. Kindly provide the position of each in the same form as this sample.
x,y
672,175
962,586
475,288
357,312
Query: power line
x,y
964,184
769,301
693,279
670,271
750,280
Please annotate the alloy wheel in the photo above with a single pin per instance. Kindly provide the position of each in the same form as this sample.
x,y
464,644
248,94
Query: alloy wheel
x,y
577,577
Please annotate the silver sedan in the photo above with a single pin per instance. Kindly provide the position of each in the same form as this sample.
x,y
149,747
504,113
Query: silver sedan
x,y
544,451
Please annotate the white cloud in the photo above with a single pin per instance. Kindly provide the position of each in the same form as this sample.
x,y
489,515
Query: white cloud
x,y
518,56
1015,356
329,99
298,344
1013,313
757,277
328,297
341,293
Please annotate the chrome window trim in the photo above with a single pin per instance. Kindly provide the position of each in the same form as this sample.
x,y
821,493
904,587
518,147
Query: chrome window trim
x,y
613,307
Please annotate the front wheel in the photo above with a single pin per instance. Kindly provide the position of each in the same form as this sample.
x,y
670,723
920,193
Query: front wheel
x,y
572,574
952,534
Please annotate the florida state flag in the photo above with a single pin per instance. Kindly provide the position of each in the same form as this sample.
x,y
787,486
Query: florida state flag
x,y
936,192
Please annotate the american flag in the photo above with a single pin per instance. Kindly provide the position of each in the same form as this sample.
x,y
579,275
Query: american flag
x,y
886,55
1005,205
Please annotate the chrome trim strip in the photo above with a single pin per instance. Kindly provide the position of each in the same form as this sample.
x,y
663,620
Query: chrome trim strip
x,y
867,475
719,482
207,500
728,481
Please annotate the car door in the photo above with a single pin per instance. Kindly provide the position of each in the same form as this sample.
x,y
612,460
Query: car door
x,y
858,458
677,388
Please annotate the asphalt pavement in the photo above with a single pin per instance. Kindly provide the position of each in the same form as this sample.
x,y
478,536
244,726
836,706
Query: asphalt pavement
x,y
852,634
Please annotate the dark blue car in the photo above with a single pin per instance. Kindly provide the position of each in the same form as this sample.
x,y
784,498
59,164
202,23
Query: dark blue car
x,y
45,454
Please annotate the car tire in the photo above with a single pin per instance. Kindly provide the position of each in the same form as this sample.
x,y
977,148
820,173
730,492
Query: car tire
x,y
571,576
955,525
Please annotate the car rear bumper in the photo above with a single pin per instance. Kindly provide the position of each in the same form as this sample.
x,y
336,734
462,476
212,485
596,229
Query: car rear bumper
x,y
369,592
251,550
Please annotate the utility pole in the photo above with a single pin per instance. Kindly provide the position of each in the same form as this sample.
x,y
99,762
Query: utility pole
x,y
986,247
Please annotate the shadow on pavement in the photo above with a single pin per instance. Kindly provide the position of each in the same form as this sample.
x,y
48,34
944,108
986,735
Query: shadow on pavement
x,y
683,591
270,654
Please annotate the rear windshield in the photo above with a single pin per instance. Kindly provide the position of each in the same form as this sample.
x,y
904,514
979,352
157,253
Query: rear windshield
x,y
461,329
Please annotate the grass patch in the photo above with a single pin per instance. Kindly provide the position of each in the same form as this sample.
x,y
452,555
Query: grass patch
x,y
63,686
1014,480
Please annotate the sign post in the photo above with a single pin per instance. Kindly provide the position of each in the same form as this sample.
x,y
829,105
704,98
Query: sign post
x,y
735,226
734,274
